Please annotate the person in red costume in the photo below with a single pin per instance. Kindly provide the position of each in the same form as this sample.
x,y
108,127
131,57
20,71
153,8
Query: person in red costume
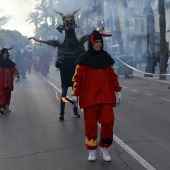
x,y
97,86
8,72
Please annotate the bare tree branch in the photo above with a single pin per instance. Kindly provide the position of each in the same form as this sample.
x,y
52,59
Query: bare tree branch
x,y
4,18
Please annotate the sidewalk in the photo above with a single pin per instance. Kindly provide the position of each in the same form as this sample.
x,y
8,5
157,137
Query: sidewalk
x,y
155,78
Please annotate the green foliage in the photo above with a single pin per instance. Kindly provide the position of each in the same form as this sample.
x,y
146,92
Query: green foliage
x,y
13,38
43,18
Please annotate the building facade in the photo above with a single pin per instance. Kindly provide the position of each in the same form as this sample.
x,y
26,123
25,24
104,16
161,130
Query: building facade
x,y
133,24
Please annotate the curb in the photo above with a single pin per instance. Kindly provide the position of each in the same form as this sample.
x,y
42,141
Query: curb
x,y
151,79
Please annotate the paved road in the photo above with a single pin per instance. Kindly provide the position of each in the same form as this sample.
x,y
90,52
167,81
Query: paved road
x,y
32,137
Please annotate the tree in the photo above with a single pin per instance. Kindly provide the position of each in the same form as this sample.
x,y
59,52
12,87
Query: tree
x,y
13,38
86,18
42,7
43,31
4,18
4,39
118,30
44,17
126,18
52,16
35,18
150,23
162,24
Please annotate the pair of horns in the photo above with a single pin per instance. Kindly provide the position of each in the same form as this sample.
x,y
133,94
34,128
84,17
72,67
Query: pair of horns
x,y
8,48
103,35
61,14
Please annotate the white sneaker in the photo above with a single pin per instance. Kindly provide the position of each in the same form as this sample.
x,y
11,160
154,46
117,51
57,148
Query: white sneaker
x,y
92,155
104,153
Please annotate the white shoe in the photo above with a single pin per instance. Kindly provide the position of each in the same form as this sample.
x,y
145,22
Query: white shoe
x,y
104,153
92,155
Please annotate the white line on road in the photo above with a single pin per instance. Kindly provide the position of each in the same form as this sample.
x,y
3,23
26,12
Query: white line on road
x,y
125,87
122,144
54,86
134,90
148,94
133,153
165,99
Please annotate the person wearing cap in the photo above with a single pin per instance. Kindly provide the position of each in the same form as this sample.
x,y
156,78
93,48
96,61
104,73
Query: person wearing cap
x,y
97,86
8,72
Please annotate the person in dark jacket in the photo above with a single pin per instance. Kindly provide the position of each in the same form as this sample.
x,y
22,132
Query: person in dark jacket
x,y
18,61
66,68
96,84
153,61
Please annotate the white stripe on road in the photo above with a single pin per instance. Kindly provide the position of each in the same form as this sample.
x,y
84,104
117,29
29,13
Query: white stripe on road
x,y
165,99
133,153
54,86
122,144
134,90
148,94
125,87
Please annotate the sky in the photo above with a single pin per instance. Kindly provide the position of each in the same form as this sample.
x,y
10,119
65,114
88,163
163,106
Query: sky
x,y
19,10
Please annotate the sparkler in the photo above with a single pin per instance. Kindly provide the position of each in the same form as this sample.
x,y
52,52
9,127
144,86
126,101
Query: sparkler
x,y
65,99
56,95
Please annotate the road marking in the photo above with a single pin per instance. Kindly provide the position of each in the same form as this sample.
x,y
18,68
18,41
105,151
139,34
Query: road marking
x,y
122,144
132,152
134,90
143,162
148,94
54,86
165,99
125,87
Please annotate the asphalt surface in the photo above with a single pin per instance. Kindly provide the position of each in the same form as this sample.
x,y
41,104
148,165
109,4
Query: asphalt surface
x,y
33,138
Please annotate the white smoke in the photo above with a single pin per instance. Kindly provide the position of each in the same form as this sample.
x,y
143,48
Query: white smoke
x,y
68,6
19,10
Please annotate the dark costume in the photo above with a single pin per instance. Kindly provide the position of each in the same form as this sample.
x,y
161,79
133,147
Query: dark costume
x,y
95,82
68,52
152,61
45,63
7,73
18,61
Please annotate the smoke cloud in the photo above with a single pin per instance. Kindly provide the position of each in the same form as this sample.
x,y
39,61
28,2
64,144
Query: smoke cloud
x,y
19,11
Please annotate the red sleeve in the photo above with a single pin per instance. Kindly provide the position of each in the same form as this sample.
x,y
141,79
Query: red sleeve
x,y
15,71
77,79
117,87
